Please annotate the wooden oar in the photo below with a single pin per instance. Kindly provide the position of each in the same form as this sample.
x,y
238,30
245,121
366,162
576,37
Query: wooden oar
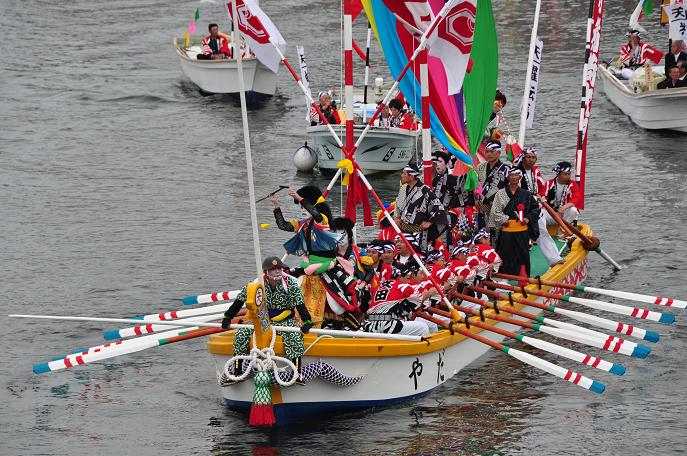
x,y
635,312
560,372
574,355
570,331
649,299
589,243
628,330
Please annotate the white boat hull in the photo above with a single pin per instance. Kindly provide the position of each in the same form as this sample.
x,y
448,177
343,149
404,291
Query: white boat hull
x,y
385,379
653,110
221,76
382,149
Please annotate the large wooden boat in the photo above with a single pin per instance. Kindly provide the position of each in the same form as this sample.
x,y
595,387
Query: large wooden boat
x,y
651,109
352,374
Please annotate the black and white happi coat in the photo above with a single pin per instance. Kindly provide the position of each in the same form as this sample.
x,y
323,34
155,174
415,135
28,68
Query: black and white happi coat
x,y
418,204
492,179
393,304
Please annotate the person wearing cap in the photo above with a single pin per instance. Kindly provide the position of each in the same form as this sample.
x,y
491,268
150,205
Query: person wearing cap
x,y
514,216
283,297
563,194
328,108
418,210
635,53
492,178
533,181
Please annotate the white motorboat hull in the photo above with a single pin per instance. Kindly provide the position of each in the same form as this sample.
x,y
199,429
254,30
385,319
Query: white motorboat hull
x,y
221,76
653,110
382,149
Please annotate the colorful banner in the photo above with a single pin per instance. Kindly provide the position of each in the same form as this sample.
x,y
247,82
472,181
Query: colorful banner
x,y
534,81
398,44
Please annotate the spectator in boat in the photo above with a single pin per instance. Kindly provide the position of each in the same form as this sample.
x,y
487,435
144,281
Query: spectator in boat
x,y
533,181
492,177
514,215
562,194
673,80
283,298
215,46
418,210
676,54
682,65
398,118
635,53
328,108
384,116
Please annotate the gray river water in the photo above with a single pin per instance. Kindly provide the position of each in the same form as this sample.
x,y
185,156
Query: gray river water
x,y
122,189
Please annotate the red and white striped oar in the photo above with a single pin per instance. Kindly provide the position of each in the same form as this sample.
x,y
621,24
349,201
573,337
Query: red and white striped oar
x,y
173,315
636,312
649,299
628,330
218,296
567,330
150,328
574,355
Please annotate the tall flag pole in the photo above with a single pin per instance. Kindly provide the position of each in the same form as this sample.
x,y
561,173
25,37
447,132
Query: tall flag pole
x,y
528,77
426,134
246,142
367,66
348,72
591,58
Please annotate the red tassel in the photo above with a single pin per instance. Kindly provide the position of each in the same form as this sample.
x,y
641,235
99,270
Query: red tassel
x,y
523,273
262,415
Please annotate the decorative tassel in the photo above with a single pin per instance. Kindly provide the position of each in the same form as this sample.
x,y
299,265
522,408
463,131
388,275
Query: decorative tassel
x,y
262,412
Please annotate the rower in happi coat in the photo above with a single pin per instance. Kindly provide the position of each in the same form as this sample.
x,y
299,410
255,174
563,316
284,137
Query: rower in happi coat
x,y
283,297
563,195
533,181
514,216
418,210
395,301
492,178
330,292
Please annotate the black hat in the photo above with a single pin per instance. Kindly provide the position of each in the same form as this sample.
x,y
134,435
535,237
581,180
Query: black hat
x,y
271,263
341,223
441,154
310,193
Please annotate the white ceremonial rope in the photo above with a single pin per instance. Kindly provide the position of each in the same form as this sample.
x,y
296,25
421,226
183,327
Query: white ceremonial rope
x,y
264,359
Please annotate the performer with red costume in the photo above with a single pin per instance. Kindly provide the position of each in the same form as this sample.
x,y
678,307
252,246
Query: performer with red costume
x,y
563,194
635,53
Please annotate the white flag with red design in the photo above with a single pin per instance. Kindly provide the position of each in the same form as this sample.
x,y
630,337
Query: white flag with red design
x,y
451,41
258,30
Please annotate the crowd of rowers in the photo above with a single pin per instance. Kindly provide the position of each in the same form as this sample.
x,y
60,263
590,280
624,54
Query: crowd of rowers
x,y
636,53
460,237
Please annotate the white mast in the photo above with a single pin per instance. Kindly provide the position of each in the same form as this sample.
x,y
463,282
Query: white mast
x,y
246,141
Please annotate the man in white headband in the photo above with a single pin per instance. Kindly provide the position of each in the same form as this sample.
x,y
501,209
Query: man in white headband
x,y
562,194
418,210
328,108
492,178
635,53
514,216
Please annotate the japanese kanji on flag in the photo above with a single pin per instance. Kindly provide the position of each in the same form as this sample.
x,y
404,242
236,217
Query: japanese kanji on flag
x,y
677,17
451,41
258,30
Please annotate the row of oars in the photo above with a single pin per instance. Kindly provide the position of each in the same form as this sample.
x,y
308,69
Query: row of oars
x,y
165,328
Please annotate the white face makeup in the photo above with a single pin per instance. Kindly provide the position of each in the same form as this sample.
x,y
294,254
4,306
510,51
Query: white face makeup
x,y
344,242
441,166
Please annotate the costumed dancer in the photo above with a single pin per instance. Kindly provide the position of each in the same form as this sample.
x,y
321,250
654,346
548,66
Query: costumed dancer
x,y
533,181
387,232
329,291
514,214
353,260
563,195
283,297
394,302
492,178
418,210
